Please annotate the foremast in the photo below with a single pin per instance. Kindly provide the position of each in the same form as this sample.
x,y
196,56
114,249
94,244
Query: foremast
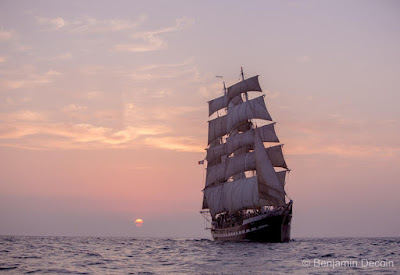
x,y
241,172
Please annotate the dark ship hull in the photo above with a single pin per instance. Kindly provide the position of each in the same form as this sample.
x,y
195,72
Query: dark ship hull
x,y
271,227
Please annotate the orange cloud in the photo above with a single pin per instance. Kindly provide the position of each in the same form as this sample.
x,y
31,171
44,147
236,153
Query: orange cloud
x,y
186,144
339,136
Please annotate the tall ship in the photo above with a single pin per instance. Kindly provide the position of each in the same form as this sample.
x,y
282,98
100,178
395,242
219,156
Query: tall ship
x,y
245,175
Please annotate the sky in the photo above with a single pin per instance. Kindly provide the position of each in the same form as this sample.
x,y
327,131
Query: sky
x,y
103,111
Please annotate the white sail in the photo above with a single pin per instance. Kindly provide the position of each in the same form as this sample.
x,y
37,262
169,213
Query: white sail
x,y
204,205
239,163
214,146
282,176
275,154
269,186
215,161
247,85
267,133
216,128
216,152
233,196
215,173
217,104
241,151
254,108
232,166
233,143
221,103
242,163
236,195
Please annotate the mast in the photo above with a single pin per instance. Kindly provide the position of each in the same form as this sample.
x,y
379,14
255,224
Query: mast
x,y
245,94
224,89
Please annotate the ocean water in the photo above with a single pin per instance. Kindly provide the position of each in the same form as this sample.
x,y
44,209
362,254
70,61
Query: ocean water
x,y
90,255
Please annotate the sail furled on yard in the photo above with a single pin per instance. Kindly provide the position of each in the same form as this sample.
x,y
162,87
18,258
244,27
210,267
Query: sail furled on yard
x,y
236,147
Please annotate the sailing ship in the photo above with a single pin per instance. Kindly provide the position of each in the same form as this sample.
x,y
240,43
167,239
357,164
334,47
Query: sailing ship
x,y
245,175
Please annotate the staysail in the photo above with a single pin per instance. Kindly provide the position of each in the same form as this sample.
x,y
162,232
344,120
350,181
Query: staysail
x,y
270,188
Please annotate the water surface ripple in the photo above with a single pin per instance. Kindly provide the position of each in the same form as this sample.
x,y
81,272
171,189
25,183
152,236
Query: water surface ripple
x,y
90,255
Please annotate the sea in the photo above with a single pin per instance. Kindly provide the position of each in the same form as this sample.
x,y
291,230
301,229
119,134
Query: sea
x,y
112,255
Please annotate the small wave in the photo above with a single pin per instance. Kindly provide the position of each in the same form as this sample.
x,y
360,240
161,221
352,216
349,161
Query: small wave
x,y
213,260
328,255
391,241
93,254
185,256
168,263
33,271
95,263
9,239
27,257
8,267
51,271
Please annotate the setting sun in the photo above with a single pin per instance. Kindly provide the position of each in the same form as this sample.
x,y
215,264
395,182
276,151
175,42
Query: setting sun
x,y
139,222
